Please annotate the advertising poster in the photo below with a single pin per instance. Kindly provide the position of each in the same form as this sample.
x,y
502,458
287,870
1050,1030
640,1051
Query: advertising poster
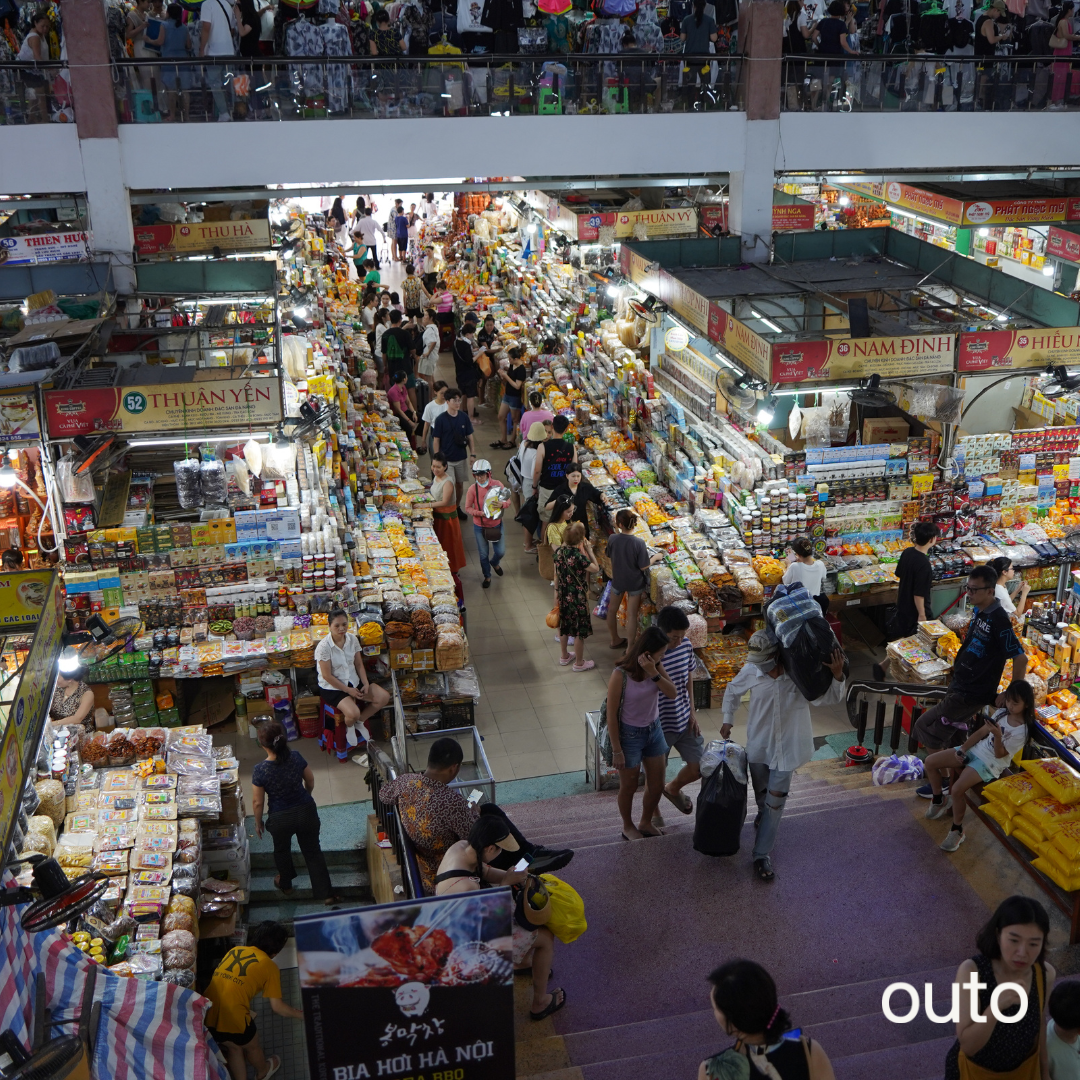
x,y
48,247
11,783
130,409
916,200
22,597
423,988
1062,244
858,358
27,713
739,340
793,216
996,350
674,222
250,235
19,418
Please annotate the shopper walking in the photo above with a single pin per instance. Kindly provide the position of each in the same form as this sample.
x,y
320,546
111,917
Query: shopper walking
x,y
367,230
1011,949
401,237
429,354
574,561
977,668
432,411
245,972
487,530
527,457
807,571
581,493
916,579
1065,73
746,1007
34,49
513,379
397,350
630,562
536,413
401,407
453,436
779,733
174,42
549,468
287,780
678,717
217,31
466,369
633,725
444,510
981,758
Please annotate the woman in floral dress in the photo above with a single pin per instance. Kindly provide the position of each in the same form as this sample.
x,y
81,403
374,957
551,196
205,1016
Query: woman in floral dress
x,y
574,561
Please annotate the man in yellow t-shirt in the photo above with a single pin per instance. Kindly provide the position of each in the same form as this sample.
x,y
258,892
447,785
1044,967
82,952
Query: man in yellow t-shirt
x,y
243,973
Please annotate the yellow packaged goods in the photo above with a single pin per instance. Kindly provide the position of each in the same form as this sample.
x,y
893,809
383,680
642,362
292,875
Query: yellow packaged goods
x,y
1000,812
1048,813
53,800
1045,866
40,835
1067,838
1054,776
1066,866
1014,790
1026,834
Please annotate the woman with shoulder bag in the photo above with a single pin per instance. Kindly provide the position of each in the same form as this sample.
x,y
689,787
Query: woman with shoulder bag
x,y
490,539
743,999
634,731
574,561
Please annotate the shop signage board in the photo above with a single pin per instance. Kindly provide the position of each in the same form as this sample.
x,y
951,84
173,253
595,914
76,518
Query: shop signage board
x,y
11,783
431,979
995,350
736,338
1062,244
22,598
689,305
48,247
917,200
220,403
246,235
680,221
796,216
858,358
19,418
1022,211
27,713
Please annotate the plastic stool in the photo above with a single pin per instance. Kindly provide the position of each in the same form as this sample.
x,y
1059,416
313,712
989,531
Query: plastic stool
x,y
333,739
143,108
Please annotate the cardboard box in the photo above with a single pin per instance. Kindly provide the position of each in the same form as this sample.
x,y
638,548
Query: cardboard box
x,y
885,429
401,658
423,659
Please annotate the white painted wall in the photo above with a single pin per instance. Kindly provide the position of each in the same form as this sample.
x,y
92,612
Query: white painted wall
x,y
40,159
994,410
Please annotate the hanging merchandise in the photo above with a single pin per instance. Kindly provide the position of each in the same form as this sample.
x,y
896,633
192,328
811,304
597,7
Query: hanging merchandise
x,y
73,488
188,483
212,481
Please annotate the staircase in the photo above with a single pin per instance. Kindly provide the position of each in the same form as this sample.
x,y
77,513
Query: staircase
x,y
845,1018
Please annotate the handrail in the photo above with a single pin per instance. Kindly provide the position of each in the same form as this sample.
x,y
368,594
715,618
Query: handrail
x,y
383,771
430,60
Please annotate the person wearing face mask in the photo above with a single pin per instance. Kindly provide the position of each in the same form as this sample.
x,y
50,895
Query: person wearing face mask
x,y
779,732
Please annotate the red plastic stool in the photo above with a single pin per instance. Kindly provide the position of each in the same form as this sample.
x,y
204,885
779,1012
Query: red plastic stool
x,y
333,739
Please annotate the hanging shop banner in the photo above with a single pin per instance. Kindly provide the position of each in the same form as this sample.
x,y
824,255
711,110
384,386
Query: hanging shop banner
x,y
27,713
430,981
247,235
740,341
11,783
675,222
1022,211
1003,349
914,199
691,306
796,216
220,403
48,247
858,358
1063,245
22,598
18,418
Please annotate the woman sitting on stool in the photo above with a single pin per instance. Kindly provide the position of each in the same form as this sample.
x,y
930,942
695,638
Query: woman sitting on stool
x,y
343,680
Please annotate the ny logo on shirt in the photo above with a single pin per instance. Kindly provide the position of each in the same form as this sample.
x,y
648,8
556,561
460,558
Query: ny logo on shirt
x,y
240,962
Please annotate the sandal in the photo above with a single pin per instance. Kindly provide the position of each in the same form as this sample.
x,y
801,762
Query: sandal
x,y
558,1000
273,1063
763,869
587,666
278,885
621,645
568,660
683,803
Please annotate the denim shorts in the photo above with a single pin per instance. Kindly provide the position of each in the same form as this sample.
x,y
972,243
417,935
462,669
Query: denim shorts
x,y
985,772
642,742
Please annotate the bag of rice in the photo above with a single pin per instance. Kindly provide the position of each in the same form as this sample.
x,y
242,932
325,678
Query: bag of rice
x,y
1026,834
1048,813
1054,776
1067,838
1001,814
1013,790
1066,866
1048,868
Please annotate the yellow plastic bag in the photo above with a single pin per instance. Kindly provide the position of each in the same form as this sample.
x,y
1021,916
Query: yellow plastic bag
x,y
1066,866
567,920
1054,776
1067,838
1027,835
1014,790
1069,884
1049,814
1001,814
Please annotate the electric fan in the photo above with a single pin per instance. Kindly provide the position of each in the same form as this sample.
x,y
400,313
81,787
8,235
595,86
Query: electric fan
x,y
871,395
1057,382
91,451
739,392
106,639
52,899
645,309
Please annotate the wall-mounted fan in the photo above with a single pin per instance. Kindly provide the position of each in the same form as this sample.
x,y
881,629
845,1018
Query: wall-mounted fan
x,y
92,452
106,639
53,900
646,309
872,395
740,392
1057,382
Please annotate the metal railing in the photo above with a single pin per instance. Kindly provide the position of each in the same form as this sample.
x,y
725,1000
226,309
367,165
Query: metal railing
x,y
351,87
928,83
383,771
32,93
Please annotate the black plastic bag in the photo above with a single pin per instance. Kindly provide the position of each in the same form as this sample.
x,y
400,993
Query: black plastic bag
x,y
805,658
721,811
529,514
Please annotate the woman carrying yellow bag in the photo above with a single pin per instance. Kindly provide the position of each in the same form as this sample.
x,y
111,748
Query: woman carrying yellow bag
x,y
1012,950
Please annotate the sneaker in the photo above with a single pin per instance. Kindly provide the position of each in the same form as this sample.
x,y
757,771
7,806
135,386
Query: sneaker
x,y
927,792
498,570
936,811
955,838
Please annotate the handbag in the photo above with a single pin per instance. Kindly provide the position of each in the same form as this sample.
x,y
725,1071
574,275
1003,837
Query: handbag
x,y
491,533
546,561
567,919
484,364
1058,42
529,514
552,619
1029,1069
603,736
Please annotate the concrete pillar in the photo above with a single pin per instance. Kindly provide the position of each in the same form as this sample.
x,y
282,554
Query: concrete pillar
x,y
108,206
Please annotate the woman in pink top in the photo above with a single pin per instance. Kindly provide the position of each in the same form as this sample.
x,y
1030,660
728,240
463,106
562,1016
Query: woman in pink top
x,y
474,504
534,414
633,721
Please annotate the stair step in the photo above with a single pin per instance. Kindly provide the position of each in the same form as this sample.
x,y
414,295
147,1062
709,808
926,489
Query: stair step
x,y
830,1003
918,1061
349,884
264,860
284,911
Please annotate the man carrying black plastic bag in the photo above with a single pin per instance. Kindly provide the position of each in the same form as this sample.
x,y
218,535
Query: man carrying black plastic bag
x,y
779,733
721,805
